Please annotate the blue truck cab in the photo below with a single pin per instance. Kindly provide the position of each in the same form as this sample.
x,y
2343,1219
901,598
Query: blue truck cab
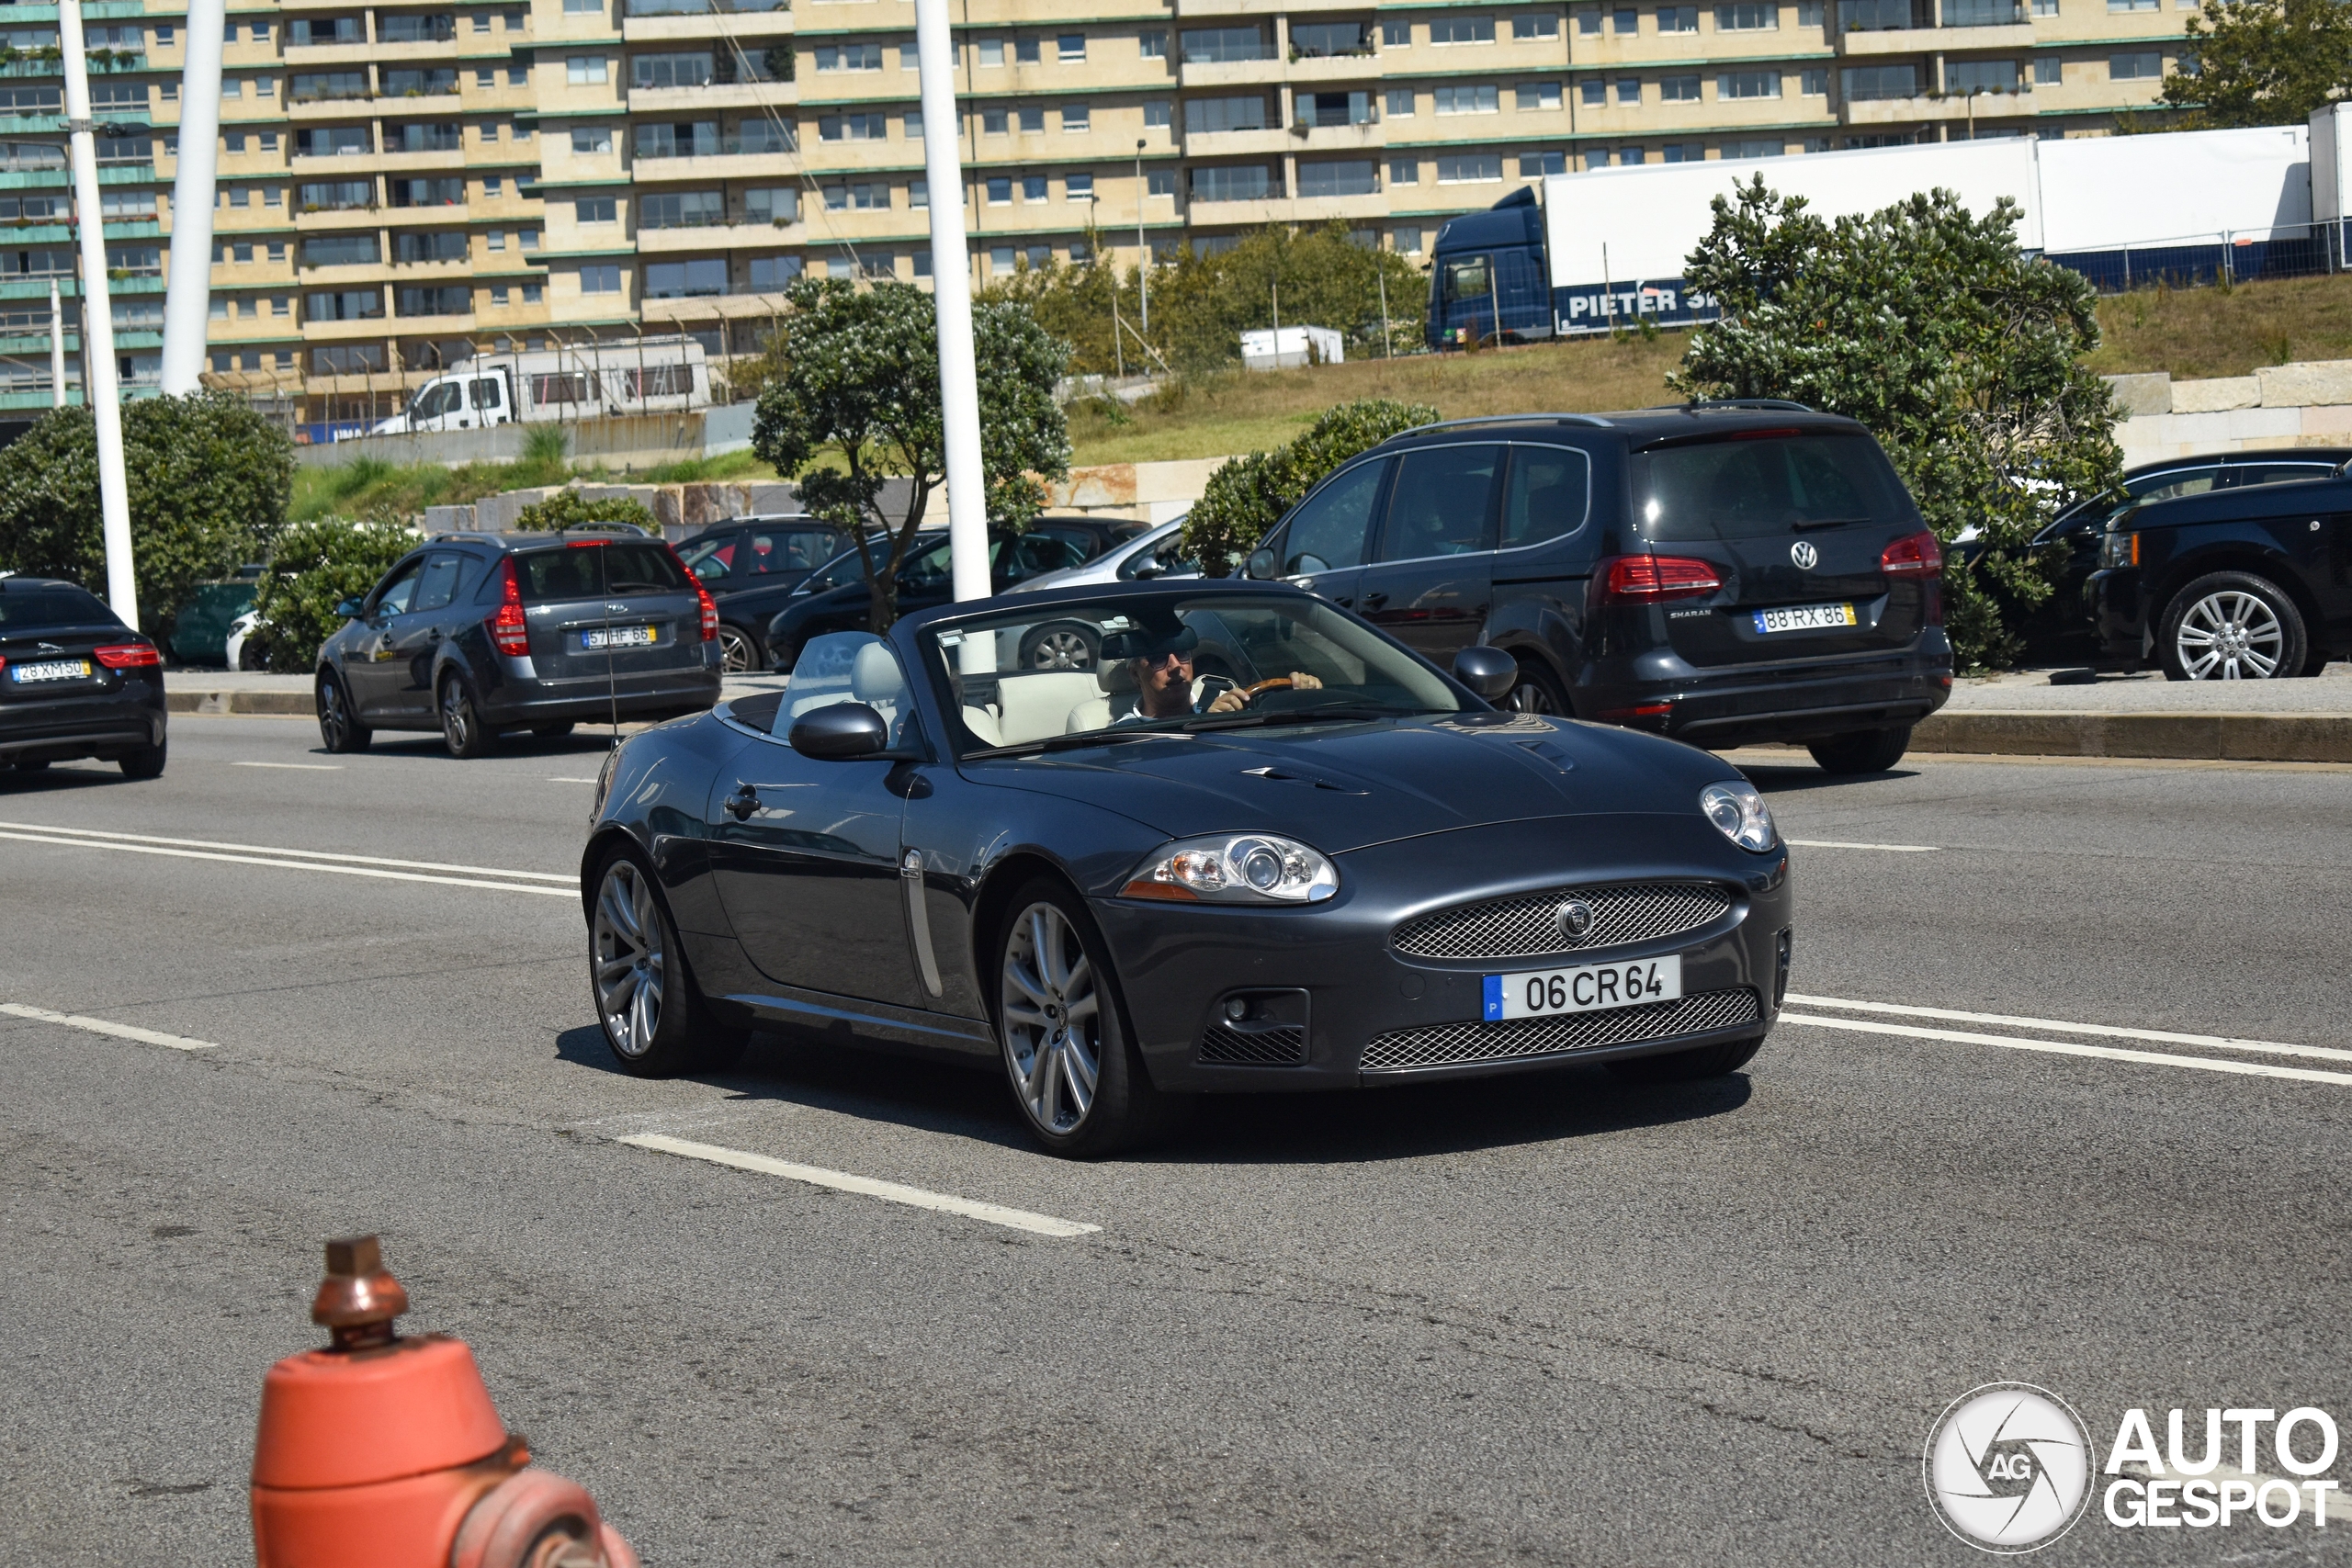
x,y
1487,279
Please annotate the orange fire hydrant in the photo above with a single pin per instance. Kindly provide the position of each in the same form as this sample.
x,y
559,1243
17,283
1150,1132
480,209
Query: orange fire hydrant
x,y
384,1451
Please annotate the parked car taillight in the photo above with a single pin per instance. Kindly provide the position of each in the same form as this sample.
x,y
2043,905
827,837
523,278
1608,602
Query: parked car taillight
x,y
1914,555
1661,577
508,631
128,656
702,595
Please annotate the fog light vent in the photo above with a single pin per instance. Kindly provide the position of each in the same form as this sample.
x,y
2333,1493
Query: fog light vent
x,y
1281,1045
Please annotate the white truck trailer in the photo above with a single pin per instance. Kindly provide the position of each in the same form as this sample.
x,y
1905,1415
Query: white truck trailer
x,y
657,375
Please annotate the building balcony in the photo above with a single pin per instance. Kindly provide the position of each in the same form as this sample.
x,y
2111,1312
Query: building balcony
x,y
1934,41
1264,140
1288,209
1306,138
1268,72
720,237
656,27
1941,109
1190,9
717,166
359,329
1334,68
711,95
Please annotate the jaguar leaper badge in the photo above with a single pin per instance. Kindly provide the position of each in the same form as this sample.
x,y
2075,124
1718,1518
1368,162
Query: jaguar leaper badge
x,y
1576,920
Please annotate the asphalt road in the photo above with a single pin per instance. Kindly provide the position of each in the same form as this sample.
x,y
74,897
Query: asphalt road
x,y
1541,1320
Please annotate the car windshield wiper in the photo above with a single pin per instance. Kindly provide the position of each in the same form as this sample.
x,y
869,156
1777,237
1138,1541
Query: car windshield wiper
x,y
1335,713
1826,522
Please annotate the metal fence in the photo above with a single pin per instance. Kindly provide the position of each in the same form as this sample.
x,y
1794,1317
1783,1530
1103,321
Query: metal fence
x,y
2190,261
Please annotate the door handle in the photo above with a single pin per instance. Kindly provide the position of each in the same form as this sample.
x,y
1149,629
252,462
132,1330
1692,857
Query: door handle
x,y
1374,601
743,803
1344,604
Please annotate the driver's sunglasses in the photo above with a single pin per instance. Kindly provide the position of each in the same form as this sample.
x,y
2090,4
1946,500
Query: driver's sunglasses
x,y
1154,661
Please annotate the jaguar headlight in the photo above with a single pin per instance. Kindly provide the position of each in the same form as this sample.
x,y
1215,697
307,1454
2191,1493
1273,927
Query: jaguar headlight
x,y
1235,868
1739,814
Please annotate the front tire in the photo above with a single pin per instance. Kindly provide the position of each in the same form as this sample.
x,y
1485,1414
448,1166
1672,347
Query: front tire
x,y
462,730
147,763
1538,692
2232,625
1064,645
1079,1084
653,1014
340,730
1689,1067
1861,750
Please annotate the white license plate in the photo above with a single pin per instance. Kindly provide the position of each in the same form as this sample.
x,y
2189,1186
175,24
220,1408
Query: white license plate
x,y
1539,993
1805,618
50,670
618,636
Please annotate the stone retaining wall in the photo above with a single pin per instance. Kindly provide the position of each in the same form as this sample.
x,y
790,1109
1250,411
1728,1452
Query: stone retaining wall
x,y
2307,404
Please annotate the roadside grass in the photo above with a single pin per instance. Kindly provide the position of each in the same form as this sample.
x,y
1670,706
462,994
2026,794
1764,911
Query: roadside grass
x,y
371,487
2196,333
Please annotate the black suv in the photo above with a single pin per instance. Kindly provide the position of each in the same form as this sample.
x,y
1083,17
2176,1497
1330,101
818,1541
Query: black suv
x,y
834,598
478,633
751,565
2234,584
1723,572
76,682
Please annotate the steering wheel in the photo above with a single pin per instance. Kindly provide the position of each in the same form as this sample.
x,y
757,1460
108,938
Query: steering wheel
x,y
1279,683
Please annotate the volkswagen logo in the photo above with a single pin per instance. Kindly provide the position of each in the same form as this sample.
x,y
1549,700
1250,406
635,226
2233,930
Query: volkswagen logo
x,y
1803,554
1576,920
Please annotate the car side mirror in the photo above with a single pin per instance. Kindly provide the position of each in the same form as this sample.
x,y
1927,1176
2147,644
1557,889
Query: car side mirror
x,y
1489,671
840,732
350,608
1264,566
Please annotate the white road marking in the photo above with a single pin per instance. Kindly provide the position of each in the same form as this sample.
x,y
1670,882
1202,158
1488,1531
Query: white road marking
x,y
571,781
304,767
840,1182
100,1026
2069,1048
293,865
567,877
2160,1036
1841,844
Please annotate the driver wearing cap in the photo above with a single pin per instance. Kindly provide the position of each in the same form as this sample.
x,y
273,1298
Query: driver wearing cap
x,y
1162,666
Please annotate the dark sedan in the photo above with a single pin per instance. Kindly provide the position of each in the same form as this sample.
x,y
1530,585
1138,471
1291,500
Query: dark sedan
x,y
750,565
76,682
1261,846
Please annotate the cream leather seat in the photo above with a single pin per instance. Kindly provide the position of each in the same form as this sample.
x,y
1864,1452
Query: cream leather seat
x,y
1117,700
1032,704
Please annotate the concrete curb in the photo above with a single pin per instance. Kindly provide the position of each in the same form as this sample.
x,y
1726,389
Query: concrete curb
x,y
2224,736
296,704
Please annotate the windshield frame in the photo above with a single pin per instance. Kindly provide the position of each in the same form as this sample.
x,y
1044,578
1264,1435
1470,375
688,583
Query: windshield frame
x,y
931,652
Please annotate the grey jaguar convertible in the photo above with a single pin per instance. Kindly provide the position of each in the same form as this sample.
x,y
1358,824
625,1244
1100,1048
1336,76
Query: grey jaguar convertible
x,y
1252,845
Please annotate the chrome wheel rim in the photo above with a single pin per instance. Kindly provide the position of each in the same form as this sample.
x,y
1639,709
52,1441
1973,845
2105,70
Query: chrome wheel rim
x,y
1061,647
456,717
2230,635
734,651
334,723
1053,1021
625,959
1530,697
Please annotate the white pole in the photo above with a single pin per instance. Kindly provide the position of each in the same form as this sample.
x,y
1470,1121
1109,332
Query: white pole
x,y
56,348
188,297
950,293
97,322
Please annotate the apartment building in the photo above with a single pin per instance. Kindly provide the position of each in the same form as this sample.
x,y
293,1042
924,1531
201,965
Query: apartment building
x,y
404,181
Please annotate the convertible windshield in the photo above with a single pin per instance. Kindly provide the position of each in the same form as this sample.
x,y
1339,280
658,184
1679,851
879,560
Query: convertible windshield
x,y
1133,666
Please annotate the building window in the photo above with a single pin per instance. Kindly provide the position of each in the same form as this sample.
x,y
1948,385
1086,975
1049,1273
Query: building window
x,y
1625,21
1071,49
1588,23
1350,177
1469,168
1860,83
1592,93
1479,98
585,70
1205,116
583,7
1159,115
1151,46
1811,12
1243,182
1462,29
1406,241
500,295
592,139
1751,17
1031,120
1631,157
1748,85
1678,89
853,128
1535,24
849,57
993,122
2048,72
1813,84
1677,19
1217,46
534,293
496,239
918,193
2131,4
1404,171
2138,66
1686,152
1074,117
1027,50
685,70
1530,165
1629,92
1539,95
1753,150
777,205
1078,188
599,279
1032,187
1966,76
1395,35
1000,260
1160,182
2045,7
276,251
991,52
595,210
1001,191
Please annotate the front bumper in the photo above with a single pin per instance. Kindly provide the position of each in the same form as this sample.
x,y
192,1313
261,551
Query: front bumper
x,y
2113,595
1798,701
1332,1004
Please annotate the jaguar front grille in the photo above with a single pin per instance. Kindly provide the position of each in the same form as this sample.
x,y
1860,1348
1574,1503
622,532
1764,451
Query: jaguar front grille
x,y
1444,1045
1528,925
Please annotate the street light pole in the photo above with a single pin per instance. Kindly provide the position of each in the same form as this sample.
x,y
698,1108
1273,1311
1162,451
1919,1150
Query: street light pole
x,y
99,388
1142,250
56,348
187,296
951,295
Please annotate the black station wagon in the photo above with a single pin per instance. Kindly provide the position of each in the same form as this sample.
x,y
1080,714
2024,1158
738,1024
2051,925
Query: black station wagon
x,y
1725,573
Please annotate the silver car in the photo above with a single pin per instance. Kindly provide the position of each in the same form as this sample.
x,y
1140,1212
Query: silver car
x,y
1147,557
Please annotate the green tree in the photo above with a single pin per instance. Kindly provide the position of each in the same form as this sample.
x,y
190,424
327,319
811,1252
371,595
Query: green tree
x,y
1248,495
569,506
856,404
209,481
2261,62
318,565
1960,353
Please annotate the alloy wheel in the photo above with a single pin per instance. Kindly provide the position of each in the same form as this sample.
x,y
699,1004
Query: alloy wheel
x,y
735,650
1529,696
334,719
2230,635
626,950
1061,647
457,719
1053,1025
